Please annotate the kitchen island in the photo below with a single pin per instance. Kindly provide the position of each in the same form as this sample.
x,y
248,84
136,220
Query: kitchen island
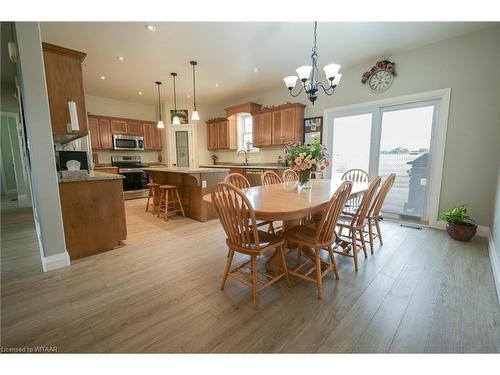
x,y
93,213
193,183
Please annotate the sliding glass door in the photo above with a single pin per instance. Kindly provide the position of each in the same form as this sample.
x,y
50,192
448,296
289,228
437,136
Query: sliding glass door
x,y
384,140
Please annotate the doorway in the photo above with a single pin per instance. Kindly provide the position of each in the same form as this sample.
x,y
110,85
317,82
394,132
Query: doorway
x,y
404,136
182,146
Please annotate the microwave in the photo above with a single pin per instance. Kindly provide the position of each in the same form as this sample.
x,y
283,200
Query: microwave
x,y
128,142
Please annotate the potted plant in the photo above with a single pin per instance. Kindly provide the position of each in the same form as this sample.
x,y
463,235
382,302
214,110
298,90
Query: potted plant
x,y
458,224
214,158
304,159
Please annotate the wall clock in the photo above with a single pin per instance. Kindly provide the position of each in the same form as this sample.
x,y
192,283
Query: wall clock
x,y
380,81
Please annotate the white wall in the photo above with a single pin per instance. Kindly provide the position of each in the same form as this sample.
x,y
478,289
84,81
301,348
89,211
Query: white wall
x,y
111,107
469,66
495,235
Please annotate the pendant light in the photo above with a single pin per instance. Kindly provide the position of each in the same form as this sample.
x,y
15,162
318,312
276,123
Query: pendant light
x,y
160,124
175,119
194,115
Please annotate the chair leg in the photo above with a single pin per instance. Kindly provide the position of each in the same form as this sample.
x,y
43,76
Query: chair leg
x,y
318,274
299,254
334,264
179,202
255,291
370,234
149,197
354,250
283,263
162,196
166,203
379,232
363,243
228,268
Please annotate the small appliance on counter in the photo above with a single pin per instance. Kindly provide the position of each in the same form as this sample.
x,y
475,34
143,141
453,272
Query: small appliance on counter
x,y
136,180
72,163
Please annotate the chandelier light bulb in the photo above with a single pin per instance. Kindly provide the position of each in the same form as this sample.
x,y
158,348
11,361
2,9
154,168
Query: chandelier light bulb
x,y
290,81
331,70
160,125
304,72
176,120
336,80
195,116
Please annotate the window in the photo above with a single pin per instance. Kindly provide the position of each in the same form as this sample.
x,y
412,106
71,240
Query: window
x,y
245,132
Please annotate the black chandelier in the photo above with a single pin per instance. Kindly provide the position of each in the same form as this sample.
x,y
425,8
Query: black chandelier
x,y
308,75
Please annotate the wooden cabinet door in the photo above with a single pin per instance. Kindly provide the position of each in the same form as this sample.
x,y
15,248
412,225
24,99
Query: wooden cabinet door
x,y
266,129
288,126
277,132
63,73
134,128
119,126
256,130
147,129
94,132
222,134
156,138
105,135
212,135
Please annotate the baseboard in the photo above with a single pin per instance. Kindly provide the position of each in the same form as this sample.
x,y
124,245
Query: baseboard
x,y
22,197
495,264
54,262
481,231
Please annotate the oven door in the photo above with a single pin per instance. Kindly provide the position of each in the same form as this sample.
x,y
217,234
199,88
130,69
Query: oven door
x,y
133,180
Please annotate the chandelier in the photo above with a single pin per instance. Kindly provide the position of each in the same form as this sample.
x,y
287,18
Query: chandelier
x,y
308,75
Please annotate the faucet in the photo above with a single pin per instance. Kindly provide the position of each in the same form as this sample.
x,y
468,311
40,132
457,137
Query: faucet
x,y
246,156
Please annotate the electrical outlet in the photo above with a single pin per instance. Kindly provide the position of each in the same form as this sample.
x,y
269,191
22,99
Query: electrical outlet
x,y
204,184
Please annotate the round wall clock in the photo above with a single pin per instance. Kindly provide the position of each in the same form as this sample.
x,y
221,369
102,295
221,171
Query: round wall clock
x,y
380,81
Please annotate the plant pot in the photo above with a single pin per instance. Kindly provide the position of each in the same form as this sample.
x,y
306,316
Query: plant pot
x,y
304,180
461,232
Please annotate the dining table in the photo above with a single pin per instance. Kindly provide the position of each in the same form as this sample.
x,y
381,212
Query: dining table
x,y
287,202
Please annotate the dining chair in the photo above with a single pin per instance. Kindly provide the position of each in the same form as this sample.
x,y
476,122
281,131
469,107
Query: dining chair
x,y
290,175
356,176
374,216
270,178
237,217
312,238
241,182
355,224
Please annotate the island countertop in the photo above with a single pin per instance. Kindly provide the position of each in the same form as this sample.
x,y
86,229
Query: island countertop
x,y
186,170
91,176
243,166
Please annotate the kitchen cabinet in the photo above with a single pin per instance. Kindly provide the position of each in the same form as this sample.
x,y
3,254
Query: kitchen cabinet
x,y
278,126
93,124
152,136
63,73
119,126
100,133
134,128
262,129
221,133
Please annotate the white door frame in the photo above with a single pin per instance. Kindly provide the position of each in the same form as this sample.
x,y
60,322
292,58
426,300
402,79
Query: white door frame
x,y
438,140
193,144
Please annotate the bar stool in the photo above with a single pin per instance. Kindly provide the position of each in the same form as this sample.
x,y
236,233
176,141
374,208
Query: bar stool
x,y
168,205
154,192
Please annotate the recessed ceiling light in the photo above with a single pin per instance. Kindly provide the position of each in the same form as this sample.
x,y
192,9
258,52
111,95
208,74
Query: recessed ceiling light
x,y
151,27
255,70
102,77
188,95
121,58
140,93
216,85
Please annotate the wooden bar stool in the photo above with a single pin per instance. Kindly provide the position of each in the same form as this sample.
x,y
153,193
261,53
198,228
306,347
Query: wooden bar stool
x,y
170,202
154,192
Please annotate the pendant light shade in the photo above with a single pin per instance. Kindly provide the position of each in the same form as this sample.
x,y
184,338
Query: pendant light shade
x,y
195,116
160,124
175,118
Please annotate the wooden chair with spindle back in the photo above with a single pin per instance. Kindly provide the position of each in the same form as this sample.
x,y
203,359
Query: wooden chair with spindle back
x,y
356,176
289,176
237,217
355,224
270,178
374,216
313,238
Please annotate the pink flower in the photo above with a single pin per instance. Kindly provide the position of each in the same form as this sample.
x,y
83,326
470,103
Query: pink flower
x,y
322,167
327,163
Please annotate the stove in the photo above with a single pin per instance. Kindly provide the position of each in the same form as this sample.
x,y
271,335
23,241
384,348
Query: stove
x,y
136,180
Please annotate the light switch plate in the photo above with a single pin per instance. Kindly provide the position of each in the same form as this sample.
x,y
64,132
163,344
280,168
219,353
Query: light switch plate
x,y
204,184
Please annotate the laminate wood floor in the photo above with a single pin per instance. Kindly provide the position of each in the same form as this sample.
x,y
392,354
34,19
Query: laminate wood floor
x,y
421,292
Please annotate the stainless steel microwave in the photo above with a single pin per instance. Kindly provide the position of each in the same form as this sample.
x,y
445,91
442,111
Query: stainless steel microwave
x,y
128,142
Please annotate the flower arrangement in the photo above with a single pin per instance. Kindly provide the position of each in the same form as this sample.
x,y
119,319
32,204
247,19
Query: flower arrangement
x,y
384,64
214,158
304,159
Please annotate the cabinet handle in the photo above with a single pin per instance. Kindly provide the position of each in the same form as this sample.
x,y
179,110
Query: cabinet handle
x,y
73,125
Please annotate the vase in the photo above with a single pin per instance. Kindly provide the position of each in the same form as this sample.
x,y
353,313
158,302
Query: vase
x,y
304,179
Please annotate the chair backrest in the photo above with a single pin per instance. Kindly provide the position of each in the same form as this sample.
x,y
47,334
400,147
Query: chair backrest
x,y
381,195
269,178
355,175
289,176
366,202
236,215
237,180
325,232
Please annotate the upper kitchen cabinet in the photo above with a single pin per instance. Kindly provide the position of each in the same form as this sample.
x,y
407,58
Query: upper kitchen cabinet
x,y
100,133
262,129
63,73
152,136
221,133
119,126
288,124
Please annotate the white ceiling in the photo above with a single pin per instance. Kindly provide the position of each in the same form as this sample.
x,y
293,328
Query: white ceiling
x,y
227,52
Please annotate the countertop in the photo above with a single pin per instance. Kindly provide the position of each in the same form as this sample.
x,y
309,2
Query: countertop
x,y
187,170
91,176
250,166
